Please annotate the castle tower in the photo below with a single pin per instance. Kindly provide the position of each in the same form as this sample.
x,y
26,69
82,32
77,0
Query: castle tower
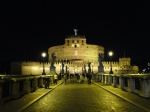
x,y
76,50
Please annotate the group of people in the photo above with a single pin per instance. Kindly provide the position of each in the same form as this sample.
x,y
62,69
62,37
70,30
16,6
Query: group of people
x,y
47,80
82,77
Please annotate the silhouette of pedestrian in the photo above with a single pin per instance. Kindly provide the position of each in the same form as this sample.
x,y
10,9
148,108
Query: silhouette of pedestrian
x,y
65,78
47,82
89,78
55,78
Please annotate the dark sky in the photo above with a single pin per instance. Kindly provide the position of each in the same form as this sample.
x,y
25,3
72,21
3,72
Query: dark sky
x,y
31,26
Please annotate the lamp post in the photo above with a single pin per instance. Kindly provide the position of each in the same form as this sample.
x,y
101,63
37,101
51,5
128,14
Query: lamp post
x,y
68,73
110,54
60,67
60,72
43,55
92,67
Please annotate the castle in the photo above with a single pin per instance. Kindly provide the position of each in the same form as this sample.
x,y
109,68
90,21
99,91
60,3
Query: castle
x,y
74,55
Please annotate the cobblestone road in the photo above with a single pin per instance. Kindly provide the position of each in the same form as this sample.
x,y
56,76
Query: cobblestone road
x,y
75,97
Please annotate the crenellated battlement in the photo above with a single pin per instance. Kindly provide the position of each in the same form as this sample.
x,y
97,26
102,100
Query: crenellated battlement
x,y
32,63
29,67
110,62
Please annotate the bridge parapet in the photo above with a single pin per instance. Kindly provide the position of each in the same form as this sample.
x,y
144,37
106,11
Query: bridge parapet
x,y
14,86
135,83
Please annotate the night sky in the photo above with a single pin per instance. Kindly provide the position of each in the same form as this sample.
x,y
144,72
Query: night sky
x,y
30,27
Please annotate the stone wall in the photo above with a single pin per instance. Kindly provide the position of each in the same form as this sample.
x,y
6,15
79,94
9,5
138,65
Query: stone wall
x,y
36,68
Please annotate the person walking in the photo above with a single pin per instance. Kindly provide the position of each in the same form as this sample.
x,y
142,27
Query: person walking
x,y
81,78
89,77
47,82
78,77
65,78
55,78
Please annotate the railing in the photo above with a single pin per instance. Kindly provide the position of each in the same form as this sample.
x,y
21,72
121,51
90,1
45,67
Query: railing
x,y
136,83
14,86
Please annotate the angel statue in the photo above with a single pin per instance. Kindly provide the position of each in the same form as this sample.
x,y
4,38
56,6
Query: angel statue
x,y
53,58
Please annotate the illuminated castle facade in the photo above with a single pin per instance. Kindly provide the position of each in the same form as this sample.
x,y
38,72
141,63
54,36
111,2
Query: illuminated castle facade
x,y
75,54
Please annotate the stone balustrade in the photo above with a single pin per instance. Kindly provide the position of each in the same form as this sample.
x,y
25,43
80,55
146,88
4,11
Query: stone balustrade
x,y
135,83
14,86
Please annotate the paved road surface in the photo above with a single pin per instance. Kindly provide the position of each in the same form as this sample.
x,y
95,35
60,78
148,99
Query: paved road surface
x,y
75,97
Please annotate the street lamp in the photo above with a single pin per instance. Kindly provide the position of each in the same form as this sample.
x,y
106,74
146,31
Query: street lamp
x,y
110,54
68,71
43,55
92,67
60,72
60,67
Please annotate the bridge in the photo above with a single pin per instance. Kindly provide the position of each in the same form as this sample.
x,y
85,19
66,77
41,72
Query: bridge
x,y
21,96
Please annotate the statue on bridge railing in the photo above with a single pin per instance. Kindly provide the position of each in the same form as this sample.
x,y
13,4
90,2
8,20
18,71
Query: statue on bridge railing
x,y
84,69
53,59
100,60
63,68
89,67
52,67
